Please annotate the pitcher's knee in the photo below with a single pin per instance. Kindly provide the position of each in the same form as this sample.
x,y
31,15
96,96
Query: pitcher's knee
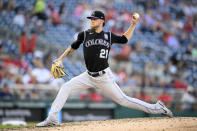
x,y
122,101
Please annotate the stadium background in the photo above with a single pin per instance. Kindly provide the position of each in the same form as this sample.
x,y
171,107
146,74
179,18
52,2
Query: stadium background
x,y
159,62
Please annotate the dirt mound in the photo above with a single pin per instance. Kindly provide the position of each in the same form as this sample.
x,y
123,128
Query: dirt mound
x,y
135,124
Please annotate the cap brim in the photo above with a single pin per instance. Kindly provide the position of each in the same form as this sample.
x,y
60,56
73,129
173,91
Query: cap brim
x,y
90,17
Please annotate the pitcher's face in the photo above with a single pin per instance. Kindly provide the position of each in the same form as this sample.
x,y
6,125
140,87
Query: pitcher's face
x,y
95,23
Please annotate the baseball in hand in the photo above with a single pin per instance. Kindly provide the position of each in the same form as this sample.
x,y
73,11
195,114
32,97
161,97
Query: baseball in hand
x,y
136,16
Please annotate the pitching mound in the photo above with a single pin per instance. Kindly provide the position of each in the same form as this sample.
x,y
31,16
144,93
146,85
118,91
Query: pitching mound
x,y
137,124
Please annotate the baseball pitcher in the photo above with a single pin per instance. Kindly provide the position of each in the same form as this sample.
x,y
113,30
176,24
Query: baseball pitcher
x,y
96,46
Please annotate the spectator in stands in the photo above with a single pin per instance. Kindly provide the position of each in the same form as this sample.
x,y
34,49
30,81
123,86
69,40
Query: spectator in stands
x,y
95,96
179,83
171,68
172,41
5,93
150,71
11,73
40,29
3,54
83,95
48,59
23,44
23,95
87,11
62,10
91,94
188,8
114,26
122,60
34,94
143,96
194,51
1,5
39,9
184,39
40,73
125,16
138,47
28,19
111,13
48,9
77,13
135,80
178,24
9,76
149,18
32,43
9,6
1,73
28,78
188,99
189,50
64,17
123,78
54,16
19,18
188,26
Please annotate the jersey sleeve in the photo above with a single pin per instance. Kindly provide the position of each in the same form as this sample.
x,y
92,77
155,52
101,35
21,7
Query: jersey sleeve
x,y
118,39
80,38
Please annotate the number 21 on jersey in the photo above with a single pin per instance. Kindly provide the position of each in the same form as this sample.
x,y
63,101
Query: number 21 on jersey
x,y
103,53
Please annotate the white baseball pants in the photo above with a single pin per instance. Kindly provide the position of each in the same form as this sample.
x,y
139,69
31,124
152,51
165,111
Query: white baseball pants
x,y
107,85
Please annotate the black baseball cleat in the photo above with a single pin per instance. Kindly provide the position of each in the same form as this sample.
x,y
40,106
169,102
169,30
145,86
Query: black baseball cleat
x,y
166,111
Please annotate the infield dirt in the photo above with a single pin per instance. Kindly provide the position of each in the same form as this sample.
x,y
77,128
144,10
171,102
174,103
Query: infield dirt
x,y
134,124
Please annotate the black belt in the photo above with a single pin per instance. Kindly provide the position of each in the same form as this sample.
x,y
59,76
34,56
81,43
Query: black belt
x,y
96,74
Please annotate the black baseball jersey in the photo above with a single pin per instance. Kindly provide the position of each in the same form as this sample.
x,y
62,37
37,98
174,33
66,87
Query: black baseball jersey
x,y
96,47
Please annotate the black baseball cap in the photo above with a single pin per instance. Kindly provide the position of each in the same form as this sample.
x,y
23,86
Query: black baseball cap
x,y
97,15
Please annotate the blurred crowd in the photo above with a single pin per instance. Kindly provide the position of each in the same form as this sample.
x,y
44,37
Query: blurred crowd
x,y
20,62
40,11
173,22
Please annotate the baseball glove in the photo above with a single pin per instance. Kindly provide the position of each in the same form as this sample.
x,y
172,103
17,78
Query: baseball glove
x,y
57,69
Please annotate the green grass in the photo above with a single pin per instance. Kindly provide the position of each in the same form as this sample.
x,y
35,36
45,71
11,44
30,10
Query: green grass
x,y
29,124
